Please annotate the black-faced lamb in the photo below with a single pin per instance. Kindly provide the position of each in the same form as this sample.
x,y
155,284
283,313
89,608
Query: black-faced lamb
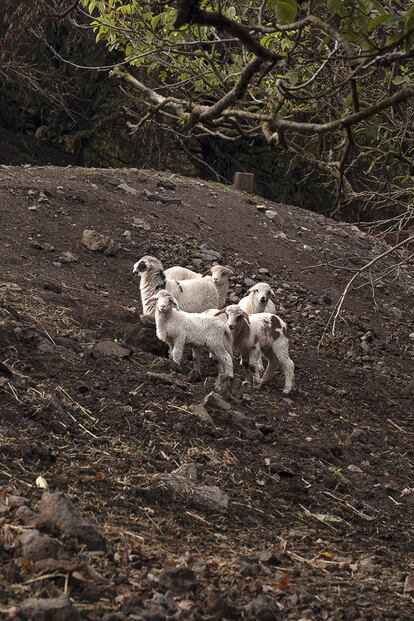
x,y
195,295
257,335
178,328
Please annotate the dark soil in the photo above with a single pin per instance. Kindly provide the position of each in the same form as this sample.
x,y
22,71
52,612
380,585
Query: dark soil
x,y
321,495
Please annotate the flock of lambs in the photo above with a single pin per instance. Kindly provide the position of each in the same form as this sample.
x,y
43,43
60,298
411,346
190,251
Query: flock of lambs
x,y
189,310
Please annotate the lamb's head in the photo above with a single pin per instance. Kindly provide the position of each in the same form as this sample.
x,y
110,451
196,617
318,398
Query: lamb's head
x,y
147,264
262,292
237,319
219,274
164,301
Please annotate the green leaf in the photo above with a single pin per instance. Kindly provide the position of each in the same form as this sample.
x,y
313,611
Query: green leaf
x,y
286,11
383,19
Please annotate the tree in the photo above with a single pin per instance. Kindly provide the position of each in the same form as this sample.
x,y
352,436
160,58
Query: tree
x,y
329,82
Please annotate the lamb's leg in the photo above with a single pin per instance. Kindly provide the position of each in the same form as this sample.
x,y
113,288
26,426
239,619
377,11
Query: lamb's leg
x,y
255,364
196,372
270,369
281,351
178,351
225,361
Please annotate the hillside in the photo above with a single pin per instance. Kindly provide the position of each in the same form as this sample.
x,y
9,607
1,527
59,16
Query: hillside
x,y
319,523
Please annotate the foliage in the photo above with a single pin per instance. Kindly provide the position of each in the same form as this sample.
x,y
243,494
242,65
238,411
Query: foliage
x,y
329,81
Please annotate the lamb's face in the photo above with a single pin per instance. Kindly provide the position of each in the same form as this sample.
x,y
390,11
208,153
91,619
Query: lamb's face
x,y
262,292
235,318
220,274
165,301
147,264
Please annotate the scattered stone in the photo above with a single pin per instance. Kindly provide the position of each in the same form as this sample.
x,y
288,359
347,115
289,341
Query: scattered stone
x,y
411,336
244,181
68,257
201,413
206,496
49,609
127,188
42,198
216,402
280,235
263,270
33,208
58,511
127,234
36,546
261,208
99,243
409,584
189,471
353,468
110,348
51,286
42,246
17,501
167,185
27,516
3,508
249,282
138,222
271,214
178,579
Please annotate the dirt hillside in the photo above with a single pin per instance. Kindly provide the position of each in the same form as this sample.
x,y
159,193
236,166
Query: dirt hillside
x,y
282,508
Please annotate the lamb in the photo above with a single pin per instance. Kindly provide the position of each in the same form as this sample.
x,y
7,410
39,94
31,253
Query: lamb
x,y
220,279
258,299
194,295
178,328
180,273
261,334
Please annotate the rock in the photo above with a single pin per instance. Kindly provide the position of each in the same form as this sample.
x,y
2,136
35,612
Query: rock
x,y
167,185
58,511
36,546
263,270
111,349
189,471
51,286
127,234
249,282
280,235
216,402
27,516
113,616
99,243
178,579
411,336
42,246
33,208
205,496
261,208
271,214
68,257
200,411
138,223
3,508
356,469
49,609
17,501
127,188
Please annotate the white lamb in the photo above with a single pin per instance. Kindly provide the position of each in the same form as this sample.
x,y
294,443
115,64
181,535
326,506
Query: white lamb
x,y
178,328
195,295
258,299
180,273
261,334
220,279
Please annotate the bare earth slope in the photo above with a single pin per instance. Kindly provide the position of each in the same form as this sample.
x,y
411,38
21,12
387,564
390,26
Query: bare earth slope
x,y
320,517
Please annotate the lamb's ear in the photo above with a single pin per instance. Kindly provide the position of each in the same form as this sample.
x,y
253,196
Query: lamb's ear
x,y
207,272
153,298
246,318
228,271
272,294
220,312
252,290
175,303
